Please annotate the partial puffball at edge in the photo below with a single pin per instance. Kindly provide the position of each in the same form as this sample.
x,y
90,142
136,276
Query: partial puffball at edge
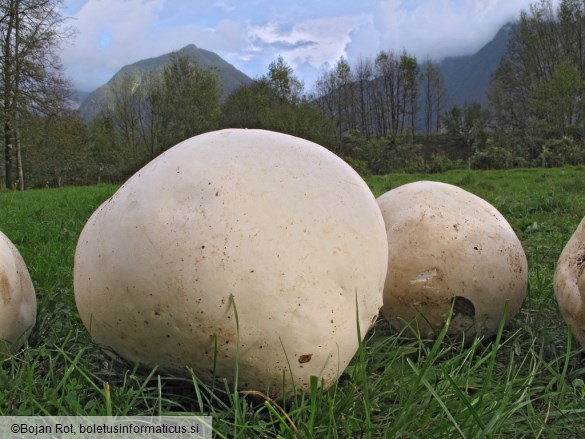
x,y
569,283
18,305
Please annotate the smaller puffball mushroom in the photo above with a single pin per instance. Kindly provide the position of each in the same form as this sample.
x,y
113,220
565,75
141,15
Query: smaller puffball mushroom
x,y
569,283
18,304
449,249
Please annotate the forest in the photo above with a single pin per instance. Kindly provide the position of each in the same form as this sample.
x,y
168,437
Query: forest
x,y
381,115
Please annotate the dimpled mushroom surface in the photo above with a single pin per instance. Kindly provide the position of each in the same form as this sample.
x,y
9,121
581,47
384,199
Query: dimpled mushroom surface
x,y
569,283
449,249
18,304
272,226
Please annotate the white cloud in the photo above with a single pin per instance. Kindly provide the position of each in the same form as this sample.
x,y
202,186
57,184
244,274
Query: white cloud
x,y
434,28
308,44
250,34
113,33
88,58
364,41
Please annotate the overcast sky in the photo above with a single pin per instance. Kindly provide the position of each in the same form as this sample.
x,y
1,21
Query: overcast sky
x,y
311,35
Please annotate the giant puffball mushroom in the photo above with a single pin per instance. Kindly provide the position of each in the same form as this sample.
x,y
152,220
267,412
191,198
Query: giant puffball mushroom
x,y
569,283
267,227
18,303
449,249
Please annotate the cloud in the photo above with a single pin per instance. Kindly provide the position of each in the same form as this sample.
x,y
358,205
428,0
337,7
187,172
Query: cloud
x,y
307,44
250,34
223,5
434,29
284,46
363,41
113,33
106,37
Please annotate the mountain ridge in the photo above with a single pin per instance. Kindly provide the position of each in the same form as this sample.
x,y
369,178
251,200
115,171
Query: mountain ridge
x,y
230,77
467,77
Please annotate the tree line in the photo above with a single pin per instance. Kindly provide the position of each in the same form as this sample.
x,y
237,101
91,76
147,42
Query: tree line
x,y
149,115
372,113
537,91
384,96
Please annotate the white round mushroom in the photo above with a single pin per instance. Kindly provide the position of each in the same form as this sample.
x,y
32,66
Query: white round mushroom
x,y
18,304
569,283
449,248
272,226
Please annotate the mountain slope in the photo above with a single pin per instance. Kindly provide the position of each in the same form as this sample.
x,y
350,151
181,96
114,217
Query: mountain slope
x,y
230,77
467,78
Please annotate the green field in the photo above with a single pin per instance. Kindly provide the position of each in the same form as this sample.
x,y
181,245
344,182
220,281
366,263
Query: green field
x,y
528,381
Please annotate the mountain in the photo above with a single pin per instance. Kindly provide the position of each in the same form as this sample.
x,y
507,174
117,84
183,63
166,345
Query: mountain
x,y
467,78
77,97
230,77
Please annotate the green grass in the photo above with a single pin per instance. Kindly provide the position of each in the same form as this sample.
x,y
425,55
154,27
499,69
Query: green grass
x,y
528,381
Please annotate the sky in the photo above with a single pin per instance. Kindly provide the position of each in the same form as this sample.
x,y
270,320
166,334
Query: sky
x,y
311,35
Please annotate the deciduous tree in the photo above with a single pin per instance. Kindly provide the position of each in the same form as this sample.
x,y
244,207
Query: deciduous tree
x,y
31,80
277,102
434,95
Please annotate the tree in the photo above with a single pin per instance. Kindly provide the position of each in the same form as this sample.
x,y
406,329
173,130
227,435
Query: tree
x,y
153,112
31,80
410,74
537,87
376,98
125,109
469,123
277,102
398,78
363,99
434,93
557,101
282,79
190,100
334,91
61,153
150,114
388,96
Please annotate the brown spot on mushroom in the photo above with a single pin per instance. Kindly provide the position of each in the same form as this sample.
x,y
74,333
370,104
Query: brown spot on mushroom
x,y
580,263
305,358
4,287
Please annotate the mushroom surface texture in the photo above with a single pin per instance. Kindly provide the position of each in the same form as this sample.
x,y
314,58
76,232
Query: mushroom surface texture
x,y
18,303
243,244
449,249
569,283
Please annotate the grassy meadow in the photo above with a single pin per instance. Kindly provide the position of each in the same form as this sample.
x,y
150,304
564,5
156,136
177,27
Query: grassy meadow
x,y
528,381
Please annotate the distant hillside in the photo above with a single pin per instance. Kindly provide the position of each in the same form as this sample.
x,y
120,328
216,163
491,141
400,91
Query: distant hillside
x,y
77,97
467,78
230,77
